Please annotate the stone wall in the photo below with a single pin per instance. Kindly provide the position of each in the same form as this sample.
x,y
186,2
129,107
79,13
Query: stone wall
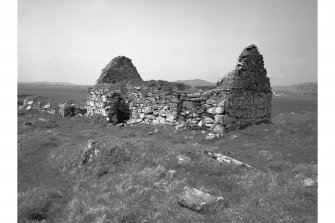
x,y
242,98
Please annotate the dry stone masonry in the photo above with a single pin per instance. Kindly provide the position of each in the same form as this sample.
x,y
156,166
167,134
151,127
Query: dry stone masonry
x,y
119,69
241,98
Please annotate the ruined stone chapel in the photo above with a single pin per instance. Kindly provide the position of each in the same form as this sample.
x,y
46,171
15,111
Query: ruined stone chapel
x,y
241,98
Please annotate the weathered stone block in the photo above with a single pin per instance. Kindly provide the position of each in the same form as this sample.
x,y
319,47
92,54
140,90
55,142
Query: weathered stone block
x,y
219,129
219,110
219,119
208,120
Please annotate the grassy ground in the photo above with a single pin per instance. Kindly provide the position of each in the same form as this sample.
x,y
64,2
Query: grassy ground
x,y
132,173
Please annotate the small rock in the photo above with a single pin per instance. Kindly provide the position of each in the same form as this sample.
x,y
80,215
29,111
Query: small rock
x,y
47,105
233,137
109,125
308,182
29,107
279,132
266,154
200,124
51,111
183,159
171,173
120,125
182,125
211,136
42,120
161,120
196,200
148,110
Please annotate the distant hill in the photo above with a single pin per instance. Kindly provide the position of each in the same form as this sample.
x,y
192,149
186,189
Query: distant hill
x,y
308,86
303,88
48,83
52,84
196,82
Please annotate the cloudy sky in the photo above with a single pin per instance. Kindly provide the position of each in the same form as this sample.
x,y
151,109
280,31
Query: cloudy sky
x,y
72,40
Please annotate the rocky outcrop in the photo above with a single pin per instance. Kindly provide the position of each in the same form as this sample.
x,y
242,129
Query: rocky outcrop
x,y
120,69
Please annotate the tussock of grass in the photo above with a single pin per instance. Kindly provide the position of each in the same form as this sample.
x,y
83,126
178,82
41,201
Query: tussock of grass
x,y
39,204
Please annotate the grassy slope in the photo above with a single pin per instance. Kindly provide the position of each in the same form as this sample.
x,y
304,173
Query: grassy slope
x,y
130,179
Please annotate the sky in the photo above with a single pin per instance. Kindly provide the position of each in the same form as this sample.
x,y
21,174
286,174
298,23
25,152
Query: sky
x,y
72,40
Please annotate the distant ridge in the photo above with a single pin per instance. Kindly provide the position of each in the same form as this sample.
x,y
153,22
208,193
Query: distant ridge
x,y
52,84
311,87
47,83
196,82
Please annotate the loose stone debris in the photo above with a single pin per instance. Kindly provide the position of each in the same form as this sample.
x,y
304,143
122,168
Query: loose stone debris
x,y
197,200
183,159
226,159
211,136
308,182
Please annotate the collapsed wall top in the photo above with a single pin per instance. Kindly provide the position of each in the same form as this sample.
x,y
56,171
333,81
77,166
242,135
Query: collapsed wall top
x,y
118,70
249,73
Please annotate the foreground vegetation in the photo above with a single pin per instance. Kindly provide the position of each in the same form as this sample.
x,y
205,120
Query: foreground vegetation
x,y
78,170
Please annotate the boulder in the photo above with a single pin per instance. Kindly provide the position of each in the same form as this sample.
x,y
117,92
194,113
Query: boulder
x,y
197,200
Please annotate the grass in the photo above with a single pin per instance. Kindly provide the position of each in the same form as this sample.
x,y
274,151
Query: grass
x,y
130,175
